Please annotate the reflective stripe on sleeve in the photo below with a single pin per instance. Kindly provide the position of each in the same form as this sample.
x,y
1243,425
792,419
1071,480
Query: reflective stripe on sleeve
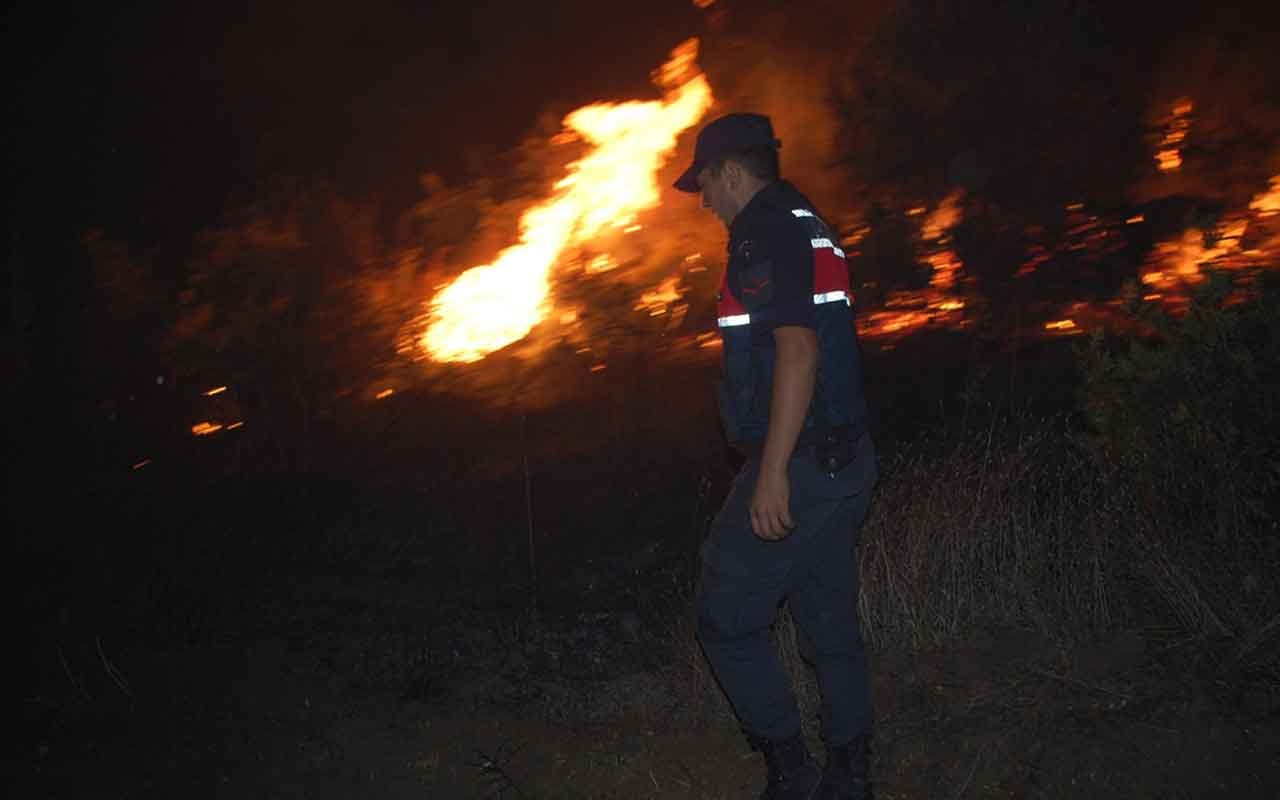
x,y
802,212
819,244
738,320
734,320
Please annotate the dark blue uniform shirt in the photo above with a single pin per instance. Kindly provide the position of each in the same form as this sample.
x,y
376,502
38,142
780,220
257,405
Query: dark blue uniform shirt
x,y
786,267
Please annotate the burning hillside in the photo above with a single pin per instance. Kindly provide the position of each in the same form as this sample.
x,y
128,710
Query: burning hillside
x,y
593,220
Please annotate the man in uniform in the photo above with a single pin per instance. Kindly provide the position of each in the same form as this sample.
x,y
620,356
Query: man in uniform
x,y
792,402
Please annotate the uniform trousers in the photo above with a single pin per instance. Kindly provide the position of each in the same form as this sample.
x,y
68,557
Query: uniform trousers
x,y
745,580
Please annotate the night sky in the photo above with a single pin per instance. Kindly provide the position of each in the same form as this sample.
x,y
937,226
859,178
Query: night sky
x,y
161,114
158,116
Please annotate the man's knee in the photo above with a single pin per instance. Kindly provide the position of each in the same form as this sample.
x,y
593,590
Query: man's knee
x,y
829,627
715,617
843,641
725,613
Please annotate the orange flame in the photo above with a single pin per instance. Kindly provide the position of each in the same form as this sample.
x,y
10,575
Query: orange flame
x,y
946,264
1243,240
907,311
1169,153
657,300
1267,204
493,305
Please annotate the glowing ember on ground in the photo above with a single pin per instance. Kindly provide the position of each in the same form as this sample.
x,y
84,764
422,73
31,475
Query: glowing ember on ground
x,y
493,305
384,394
214,391
1061,325
205,428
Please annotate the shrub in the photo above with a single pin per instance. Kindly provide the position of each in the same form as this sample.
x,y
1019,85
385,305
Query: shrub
x,y
1186,417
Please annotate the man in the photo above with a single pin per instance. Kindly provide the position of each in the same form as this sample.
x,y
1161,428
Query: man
x,y
792,402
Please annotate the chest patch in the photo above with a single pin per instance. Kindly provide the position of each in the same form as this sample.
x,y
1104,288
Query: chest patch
x,y
755,274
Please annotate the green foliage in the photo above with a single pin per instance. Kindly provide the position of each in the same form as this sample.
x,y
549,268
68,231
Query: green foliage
x,y
1190,414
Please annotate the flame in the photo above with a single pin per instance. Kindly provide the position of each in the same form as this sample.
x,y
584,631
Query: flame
x,y
1267,204
657,300
1169,152
601,263
493,305
944,260
1179,262
909,310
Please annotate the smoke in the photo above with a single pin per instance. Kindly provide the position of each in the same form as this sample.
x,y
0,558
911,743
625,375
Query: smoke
x,y
786,63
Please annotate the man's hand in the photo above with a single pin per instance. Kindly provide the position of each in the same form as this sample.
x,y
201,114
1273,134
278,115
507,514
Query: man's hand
x,y
771,506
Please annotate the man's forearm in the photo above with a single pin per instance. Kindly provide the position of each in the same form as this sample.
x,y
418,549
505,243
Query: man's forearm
x,y
795,370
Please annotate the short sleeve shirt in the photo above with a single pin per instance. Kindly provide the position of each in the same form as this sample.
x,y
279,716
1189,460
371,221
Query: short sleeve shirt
x,y
771,267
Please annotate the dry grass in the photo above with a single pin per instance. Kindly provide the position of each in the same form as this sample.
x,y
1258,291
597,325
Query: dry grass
x,y
1035,529
998,529
1027,529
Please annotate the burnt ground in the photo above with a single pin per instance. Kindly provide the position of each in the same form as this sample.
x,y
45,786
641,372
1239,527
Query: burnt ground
x,y
371,630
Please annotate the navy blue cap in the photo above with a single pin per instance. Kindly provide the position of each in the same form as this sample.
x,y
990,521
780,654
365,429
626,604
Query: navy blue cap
x,y
723,136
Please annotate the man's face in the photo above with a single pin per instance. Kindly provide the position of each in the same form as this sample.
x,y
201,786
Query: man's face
x,y
716,194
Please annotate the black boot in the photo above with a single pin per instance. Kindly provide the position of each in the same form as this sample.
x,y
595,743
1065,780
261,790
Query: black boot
x,y
847,774
793,774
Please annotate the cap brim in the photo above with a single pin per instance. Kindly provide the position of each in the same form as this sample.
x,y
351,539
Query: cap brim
x,y
688,181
